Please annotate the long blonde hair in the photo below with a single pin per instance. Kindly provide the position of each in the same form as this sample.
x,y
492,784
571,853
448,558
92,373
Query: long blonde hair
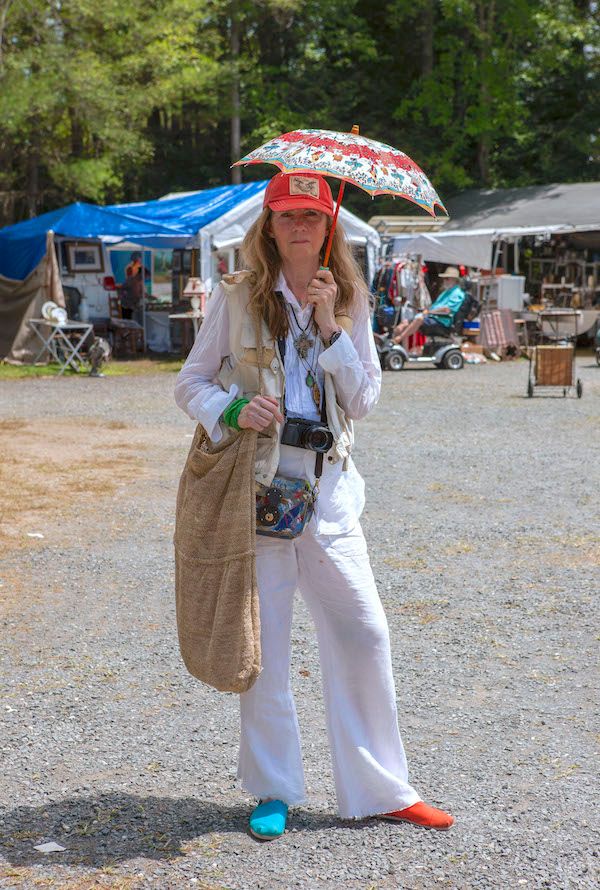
x,y
260,255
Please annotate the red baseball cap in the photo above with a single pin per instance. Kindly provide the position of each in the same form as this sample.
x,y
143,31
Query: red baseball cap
x,y
299,191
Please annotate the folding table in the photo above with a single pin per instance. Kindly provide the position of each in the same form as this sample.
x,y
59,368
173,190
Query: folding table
x,y
196,317
58,344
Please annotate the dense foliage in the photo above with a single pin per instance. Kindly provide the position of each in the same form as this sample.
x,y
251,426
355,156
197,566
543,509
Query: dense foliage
x,y
105,100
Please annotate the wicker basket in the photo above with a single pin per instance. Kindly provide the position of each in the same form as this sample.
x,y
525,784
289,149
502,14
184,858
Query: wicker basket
x,y
554,365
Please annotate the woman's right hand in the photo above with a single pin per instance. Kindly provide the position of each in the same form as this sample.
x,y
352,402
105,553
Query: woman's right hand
x,y
258,413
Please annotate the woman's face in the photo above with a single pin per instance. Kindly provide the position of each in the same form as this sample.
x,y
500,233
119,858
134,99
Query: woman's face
x,y
299,234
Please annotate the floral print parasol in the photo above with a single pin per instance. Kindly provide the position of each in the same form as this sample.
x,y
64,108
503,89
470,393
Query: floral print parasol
x,y
373,166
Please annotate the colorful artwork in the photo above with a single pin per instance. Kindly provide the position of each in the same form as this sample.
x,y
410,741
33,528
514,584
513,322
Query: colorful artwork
x,y
125,263
163,273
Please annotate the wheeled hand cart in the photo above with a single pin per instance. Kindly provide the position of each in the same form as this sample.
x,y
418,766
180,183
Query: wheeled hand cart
x,y
553,365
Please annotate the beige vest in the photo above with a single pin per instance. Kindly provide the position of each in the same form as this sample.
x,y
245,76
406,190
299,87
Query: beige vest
x,y
240,367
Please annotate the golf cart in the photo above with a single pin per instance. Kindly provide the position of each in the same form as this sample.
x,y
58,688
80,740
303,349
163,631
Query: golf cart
x,y
441,350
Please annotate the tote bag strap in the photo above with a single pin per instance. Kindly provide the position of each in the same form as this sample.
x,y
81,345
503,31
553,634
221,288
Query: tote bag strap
x,y
260,349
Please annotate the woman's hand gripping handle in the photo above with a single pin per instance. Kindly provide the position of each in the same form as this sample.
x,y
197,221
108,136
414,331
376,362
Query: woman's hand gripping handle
x,y
259,413
322,293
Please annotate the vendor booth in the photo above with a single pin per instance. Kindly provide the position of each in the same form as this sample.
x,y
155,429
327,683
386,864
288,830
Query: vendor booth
x,y
133,260
537,246
42,258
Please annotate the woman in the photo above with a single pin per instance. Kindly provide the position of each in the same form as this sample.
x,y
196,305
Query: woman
x,y
319,321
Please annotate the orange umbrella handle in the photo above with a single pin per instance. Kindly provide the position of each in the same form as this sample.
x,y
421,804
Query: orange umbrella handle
x,y
355,131
333,225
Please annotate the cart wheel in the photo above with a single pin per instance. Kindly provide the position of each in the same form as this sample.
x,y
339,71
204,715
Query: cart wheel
x,y
579,388
395,361
598,356
529,389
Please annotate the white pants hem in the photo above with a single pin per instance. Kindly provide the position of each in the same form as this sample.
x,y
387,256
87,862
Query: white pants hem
x,y
292,800
369,813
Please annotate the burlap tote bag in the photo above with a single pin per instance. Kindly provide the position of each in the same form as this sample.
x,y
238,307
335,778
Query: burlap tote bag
x,y
218,620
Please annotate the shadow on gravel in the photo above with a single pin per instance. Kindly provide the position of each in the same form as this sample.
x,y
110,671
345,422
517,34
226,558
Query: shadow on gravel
x,y
115,827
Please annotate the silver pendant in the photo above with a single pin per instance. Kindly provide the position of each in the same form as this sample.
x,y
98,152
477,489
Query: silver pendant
x,y
302,344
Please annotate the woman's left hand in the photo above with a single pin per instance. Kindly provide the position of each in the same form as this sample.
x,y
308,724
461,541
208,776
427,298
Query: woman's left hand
x,y
322,293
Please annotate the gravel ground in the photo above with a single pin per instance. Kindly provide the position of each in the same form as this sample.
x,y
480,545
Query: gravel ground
x,y
482,518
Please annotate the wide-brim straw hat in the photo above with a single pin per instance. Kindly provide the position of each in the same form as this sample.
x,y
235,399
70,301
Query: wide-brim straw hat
x,y
451,272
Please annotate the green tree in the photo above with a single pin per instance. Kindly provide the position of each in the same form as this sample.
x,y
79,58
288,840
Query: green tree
x,y
84,85
507,92
106,100
559,95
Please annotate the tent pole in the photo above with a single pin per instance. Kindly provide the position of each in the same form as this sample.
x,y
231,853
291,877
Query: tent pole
x,y
495,257
488,287
144,325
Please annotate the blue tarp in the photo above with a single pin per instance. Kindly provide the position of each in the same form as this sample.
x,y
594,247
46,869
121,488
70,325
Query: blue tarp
x,y
193,211
168,223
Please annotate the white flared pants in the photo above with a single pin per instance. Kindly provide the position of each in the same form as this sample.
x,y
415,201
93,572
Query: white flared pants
x,y
334,576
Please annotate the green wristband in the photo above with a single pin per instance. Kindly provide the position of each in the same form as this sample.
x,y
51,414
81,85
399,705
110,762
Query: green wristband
x,y
232,412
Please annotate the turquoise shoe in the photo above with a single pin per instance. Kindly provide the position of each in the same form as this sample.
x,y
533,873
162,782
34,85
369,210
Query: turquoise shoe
x,y
267,820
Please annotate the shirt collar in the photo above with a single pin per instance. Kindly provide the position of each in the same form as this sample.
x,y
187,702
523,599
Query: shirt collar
x,y
283,287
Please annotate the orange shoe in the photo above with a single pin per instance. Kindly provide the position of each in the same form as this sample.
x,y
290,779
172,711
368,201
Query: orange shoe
x,y
423,815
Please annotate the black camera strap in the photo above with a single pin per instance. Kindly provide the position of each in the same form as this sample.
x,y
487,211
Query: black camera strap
x,y
281,344
319,457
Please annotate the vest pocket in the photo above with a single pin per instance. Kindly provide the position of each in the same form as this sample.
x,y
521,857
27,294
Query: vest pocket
x,y
249,352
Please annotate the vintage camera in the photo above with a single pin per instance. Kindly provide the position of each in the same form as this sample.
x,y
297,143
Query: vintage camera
x,y
307,434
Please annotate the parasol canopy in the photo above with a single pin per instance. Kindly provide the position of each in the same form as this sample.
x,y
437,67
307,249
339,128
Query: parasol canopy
x,y
373,166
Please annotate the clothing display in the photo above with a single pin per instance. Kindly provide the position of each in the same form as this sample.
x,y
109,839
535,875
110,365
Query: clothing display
x,y
400,290
400,280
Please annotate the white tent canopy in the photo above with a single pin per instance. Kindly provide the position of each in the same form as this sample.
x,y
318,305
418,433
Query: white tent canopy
x,y
473,247
468,248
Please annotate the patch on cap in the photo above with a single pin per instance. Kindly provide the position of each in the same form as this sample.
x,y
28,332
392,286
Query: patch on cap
x,y
304,185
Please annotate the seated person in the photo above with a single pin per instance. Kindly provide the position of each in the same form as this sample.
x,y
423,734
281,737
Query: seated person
x,y
437,320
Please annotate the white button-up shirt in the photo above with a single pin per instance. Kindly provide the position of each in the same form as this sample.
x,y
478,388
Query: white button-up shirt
x,y
352,361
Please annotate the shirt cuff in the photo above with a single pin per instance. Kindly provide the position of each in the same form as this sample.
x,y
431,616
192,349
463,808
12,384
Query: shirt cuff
x,y
339,354
208,411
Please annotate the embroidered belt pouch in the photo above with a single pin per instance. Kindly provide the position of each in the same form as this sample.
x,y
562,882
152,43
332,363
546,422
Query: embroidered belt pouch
x,y
284,508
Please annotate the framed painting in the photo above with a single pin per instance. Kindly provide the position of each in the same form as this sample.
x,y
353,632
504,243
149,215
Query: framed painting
x,y
84,256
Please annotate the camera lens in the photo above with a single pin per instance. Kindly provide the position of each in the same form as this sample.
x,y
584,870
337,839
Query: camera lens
x,y
318,439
